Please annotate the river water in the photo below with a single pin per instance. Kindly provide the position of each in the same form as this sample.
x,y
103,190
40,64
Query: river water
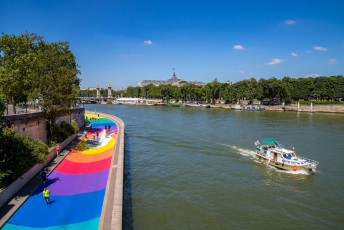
x,y
192,168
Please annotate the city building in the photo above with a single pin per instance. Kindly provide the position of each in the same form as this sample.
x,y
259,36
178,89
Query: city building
x,y
174,80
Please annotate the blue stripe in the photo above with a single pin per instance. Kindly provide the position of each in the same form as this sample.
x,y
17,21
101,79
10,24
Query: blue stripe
x,y
63,210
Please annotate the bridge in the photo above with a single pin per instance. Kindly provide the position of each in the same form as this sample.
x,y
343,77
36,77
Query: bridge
x,y
95,100
98,99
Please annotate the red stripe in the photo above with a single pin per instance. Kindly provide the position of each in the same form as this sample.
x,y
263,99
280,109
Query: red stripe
x,y
71,167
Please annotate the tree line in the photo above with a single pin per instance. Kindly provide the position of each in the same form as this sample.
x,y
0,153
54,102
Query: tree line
x,y
272,90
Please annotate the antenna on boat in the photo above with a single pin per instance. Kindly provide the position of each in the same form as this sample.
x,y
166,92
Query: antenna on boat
x,y
293,148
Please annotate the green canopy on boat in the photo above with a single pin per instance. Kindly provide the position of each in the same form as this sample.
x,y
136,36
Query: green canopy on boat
x,y
268,141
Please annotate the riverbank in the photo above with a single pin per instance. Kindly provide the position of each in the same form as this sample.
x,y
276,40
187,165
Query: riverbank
x,y
295,108
301,108
308,108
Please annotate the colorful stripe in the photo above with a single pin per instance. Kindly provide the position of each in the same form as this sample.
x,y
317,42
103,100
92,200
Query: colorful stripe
x,y
77,186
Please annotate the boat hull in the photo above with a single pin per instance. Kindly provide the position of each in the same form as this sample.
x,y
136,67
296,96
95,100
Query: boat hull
x,y
285,165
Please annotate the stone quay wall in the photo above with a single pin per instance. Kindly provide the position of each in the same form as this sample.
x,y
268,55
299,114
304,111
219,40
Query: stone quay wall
x,y
35,124
308,108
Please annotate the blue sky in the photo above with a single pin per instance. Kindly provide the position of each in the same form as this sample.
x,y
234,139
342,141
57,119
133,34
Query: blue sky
x,y
124,42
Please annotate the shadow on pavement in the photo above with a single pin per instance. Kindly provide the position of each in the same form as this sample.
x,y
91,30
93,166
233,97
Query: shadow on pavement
x,y
47,183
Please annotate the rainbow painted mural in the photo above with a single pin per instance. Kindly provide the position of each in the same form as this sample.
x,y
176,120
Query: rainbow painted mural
x,y
77,185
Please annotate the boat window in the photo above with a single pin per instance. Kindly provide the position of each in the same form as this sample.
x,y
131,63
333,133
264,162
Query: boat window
x,y
287,156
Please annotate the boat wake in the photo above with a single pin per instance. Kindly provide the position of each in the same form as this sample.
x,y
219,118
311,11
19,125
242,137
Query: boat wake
x,y
241,151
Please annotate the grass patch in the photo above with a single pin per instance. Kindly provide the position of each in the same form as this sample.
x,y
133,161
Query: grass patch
x,y
82,146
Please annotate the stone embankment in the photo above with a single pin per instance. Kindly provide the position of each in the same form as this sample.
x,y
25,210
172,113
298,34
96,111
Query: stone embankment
x,y
309,108
301,108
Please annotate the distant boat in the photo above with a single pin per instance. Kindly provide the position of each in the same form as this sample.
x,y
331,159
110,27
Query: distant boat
x,y
273,153
207,106
248,107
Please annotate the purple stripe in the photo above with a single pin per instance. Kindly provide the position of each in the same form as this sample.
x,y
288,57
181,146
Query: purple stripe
x,y
62,184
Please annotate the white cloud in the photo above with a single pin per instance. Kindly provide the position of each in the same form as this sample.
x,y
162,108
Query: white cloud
x,y
332,61
241,72
309,51
313,75
238,47
289,22
294,54
275,61
319,48
148,42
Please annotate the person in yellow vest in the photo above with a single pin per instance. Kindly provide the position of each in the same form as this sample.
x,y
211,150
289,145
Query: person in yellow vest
x,y
46,195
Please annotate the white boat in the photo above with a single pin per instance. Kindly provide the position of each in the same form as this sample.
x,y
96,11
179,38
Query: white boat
x,y
270,151
248,107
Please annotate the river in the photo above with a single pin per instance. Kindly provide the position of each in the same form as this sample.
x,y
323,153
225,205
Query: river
x,y
192,168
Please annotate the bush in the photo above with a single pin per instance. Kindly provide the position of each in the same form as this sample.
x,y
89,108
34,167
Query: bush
x,y
75,126
62,132
18,154
59,134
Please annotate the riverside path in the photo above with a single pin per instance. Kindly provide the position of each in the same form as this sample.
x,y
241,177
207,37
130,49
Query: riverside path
x,y
82,186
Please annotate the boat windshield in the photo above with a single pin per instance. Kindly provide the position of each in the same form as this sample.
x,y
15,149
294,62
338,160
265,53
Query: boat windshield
x,y
278,145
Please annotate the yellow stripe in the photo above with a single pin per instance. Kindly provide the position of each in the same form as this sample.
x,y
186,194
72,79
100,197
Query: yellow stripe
x,y
101,149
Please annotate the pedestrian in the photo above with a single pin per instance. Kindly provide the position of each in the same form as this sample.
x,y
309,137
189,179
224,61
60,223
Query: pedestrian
x,y
46,195
44,175
98,116
58,148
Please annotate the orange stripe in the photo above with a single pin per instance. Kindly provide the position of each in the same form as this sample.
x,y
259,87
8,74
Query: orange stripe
x,y
76,156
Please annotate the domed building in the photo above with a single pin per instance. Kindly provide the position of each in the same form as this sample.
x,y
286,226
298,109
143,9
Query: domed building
x,y
174,80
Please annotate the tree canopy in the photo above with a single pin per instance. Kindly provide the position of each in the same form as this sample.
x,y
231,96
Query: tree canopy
x,y
32,69
272,89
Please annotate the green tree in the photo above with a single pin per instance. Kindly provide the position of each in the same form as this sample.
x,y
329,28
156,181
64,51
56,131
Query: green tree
x,y
133,91
32,68
22,152
17,66
212,91
274,89
2,110
338,82
324,88
55,82
190,92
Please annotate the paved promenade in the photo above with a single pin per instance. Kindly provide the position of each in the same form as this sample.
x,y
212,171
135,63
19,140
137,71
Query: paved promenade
x,y
86,185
